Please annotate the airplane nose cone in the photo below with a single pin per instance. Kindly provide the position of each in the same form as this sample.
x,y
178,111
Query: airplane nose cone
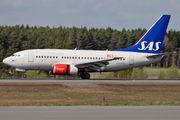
x,y
6,61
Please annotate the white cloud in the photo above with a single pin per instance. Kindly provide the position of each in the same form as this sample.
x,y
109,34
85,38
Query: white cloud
x,y
17,3
99,5
69,11
13,3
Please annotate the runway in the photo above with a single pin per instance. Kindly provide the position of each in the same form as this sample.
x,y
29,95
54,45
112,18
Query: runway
x,y
85,81
91,113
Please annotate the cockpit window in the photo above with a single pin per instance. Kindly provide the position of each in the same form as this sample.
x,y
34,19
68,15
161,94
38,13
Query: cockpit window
x,y
15,55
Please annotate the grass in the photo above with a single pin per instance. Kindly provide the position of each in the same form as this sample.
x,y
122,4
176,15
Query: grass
x,y
102,75
153,72
56,94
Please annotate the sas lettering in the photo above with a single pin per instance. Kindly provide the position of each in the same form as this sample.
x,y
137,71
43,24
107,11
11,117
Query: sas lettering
x,y
149,46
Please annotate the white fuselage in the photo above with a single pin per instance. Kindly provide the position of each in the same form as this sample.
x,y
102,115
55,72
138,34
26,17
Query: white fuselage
x,y
45,59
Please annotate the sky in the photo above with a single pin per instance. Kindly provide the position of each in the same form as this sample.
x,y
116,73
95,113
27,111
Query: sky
x,y
117,14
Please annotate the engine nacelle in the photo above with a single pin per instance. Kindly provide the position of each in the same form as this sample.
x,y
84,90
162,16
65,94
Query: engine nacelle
x,y
64,69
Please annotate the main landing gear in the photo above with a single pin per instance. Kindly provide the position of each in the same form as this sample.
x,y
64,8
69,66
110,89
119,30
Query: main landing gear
x,y
85,75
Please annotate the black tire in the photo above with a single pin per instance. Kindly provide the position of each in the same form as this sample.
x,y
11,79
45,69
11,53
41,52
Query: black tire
x,y
85,76
24,75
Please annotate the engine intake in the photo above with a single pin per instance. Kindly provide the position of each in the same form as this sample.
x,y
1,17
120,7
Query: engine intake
x,y
64,69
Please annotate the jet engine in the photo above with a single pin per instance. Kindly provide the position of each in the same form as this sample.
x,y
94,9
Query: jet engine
x,y
64,69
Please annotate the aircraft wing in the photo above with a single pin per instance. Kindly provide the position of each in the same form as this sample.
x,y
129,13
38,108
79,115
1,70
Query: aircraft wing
x,y
159,55
95,65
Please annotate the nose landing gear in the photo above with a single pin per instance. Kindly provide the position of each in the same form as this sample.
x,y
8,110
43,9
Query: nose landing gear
x,y
24,75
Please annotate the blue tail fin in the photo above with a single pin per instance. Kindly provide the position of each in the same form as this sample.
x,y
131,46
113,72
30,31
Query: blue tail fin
x,y
152,41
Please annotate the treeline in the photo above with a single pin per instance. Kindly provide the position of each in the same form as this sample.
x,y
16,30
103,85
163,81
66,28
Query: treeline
x,y
16,38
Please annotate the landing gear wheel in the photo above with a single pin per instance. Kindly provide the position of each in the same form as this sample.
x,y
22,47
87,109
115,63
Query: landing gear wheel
x,y
85,76
24,75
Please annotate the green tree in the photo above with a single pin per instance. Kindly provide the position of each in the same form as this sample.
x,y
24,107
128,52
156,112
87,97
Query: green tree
x,y
80,40
139,73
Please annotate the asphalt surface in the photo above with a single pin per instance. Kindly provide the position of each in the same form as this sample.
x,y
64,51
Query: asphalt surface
x,y
85,81
91,113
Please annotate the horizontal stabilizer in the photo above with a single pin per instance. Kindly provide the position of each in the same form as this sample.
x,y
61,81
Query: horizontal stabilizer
x,y
159,55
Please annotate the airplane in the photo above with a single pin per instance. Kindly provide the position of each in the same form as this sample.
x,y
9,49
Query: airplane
x,y
82,62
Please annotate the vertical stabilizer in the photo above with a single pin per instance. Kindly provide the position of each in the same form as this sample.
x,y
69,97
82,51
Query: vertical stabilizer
x,y
153,39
